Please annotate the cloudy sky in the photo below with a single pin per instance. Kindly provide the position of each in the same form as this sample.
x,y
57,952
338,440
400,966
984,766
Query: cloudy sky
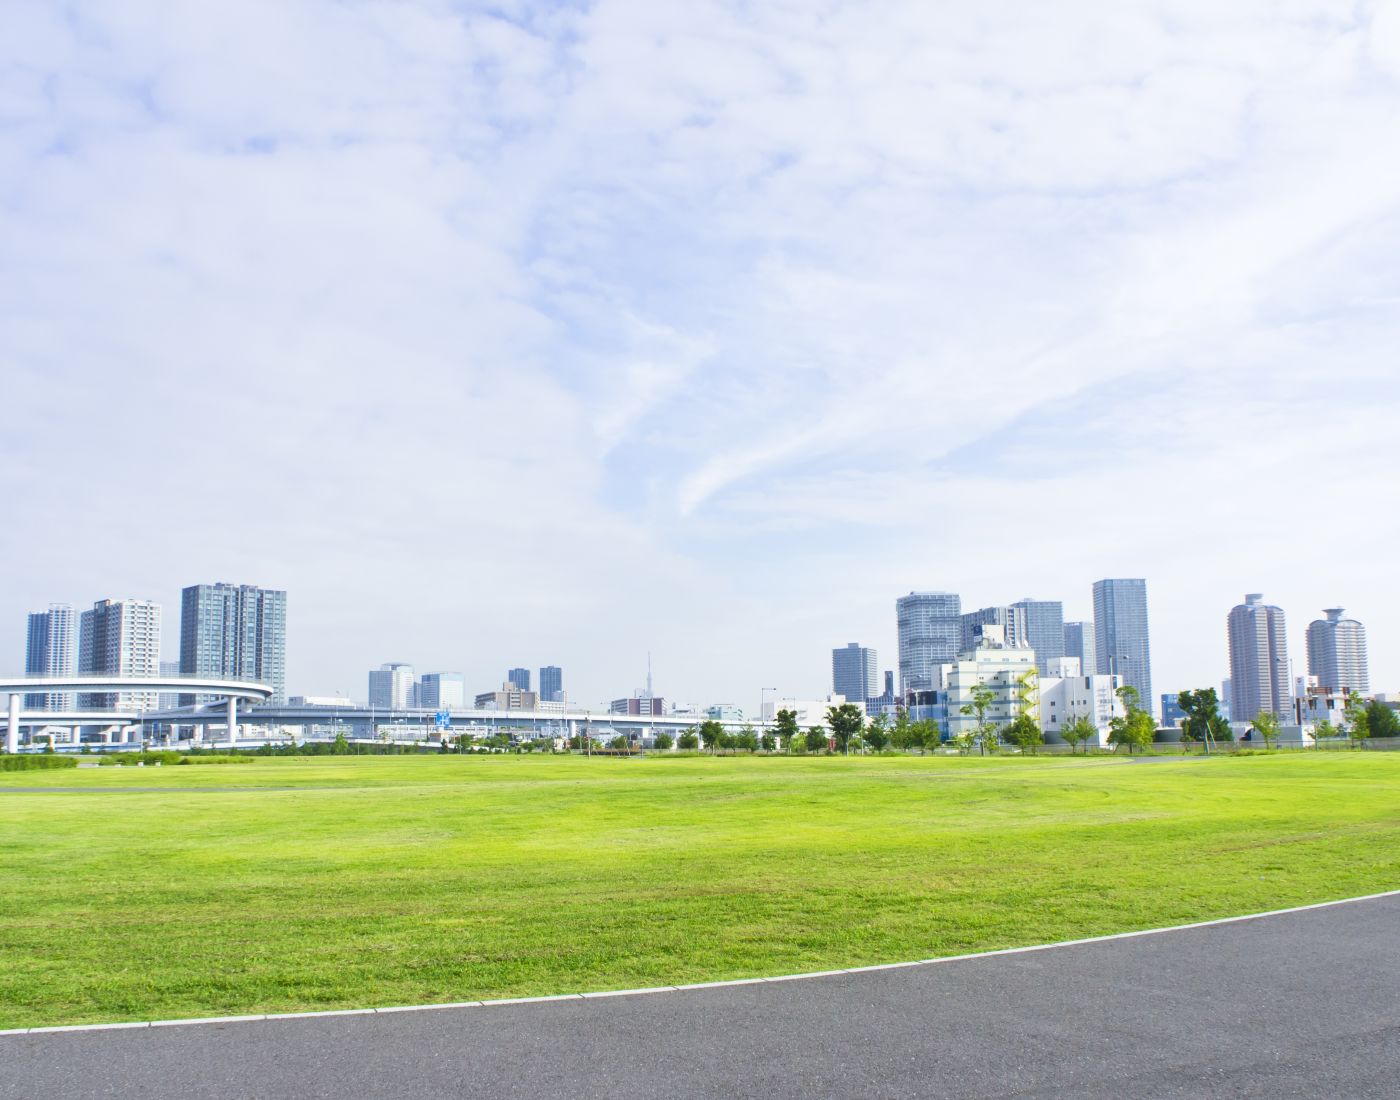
x,y
520,333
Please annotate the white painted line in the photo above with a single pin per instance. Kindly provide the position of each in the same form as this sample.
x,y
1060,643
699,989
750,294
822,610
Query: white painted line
x,y
630,992
206,1020
418,1008
1216,922
88,1027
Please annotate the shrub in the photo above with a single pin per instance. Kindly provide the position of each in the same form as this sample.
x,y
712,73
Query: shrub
x,y
42,762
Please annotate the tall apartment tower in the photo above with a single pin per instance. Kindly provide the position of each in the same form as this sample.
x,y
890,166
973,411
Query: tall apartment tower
x,y
930,632
120,638
392,687
855,672
1337,653
1045,630
51,650
1258,661
520,677
1121,645
1079,642
551,684
234,632
1012,621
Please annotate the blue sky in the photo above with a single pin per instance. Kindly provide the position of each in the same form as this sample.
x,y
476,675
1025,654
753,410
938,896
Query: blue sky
x,y
522,334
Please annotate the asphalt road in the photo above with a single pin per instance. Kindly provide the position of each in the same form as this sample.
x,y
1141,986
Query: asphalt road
x,y
1298,1005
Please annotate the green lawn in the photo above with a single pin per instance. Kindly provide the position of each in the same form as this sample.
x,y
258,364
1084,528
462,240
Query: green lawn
x,y
331,882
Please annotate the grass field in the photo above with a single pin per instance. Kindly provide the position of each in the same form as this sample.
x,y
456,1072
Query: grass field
x,y
313,883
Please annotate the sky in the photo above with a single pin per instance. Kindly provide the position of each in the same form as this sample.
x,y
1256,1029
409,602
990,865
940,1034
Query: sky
x,y
520,334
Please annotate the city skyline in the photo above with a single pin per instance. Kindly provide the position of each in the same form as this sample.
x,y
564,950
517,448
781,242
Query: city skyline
x,y
592,330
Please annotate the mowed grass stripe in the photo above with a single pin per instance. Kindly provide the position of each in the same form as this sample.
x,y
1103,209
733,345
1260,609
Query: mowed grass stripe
x,y
378,881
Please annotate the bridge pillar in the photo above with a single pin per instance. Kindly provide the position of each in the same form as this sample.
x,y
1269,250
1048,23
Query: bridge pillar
x,y
12,730
232,721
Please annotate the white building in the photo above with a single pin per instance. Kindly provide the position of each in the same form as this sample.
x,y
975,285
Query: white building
x,y
1337,653
810,712
1009,671
1067,694
121,638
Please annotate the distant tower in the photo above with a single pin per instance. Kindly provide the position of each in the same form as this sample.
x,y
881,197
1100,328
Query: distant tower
x,y
1079,642
854,672
1258,661
1045,630
234,632
120,638
1337,653
551,684
1121,641
930,632
520,677
51,650
1012,621
393,687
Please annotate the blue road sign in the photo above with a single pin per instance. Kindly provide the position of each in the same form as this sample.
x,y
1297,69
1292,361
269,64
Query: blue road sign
x,y
443,719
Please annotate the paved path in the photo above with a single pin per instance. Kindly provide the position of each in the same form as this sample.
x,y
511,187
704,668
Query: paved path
x,y
1297,1004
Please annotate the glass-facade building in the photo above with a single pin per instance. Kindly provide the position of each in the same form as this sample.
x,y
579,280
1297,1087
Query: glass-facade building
x,y
51,649
1079,642
551,684
520,677
1337,657
1012,620
930,632
234,632
854,672
1121,642
1045,630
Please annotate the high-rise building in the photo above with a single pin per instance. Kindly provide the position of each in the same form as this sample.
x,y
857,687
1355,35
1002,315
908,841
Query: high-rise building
x,y
1011,620
854,672
234,632
1258,661
1079,643
1172,714
930,633
1121,644
1045,630
551,684
520,677
442,690
392,687
1337,653
51,650
120,638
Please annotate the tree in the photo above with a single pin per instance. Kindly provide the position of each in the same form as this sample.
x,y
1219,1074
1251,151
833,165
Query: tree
x,y
1079,732
663,742
1024,732
982,699
1267,727
1323,731
1381,720
902,734
710,733
816,739
926,734
877,733
787,729
1203,721
340,747
688,741
1357,720
727,740
747,739
1134,727
846,722
620,743
768,742
965,741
